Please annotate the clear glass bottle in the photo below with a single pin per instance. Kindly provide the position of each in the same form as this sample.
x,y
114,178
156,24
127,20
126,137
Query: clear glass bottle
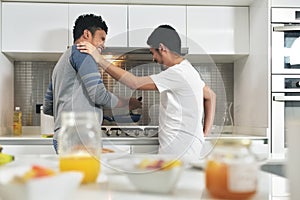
x,y
17,129
228,121
231,170
79,144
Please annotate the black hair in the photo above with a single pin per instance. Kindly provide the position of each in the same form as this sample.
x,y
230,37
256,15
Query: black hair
x,y
90,22
166,35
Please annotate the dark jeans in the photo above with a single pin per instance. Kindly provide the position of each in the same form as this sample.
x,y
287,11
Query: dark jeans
x,y
55,145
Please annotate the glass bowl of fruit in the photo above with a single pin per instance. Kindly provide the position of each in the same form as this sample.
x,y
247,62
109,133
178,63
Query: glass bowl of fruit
x,y
151,173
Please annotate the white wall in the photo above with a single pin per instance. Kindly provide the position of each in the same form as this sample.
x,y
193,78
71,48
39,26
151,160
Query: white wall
x,y
6,91
251,74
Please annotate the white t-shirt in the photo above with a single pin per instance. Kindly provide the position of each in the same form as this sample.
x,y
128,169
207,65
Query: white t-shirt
x,y
181,110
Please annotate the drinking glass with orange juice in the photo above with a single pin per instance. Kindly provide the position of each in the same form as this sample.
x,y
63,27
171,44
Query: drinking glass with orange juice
x,y
90,166
79,144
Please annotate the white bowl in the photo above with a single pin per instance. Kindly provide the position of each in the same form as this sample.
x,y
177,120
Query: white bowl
x,y
149,180
160,181
59,187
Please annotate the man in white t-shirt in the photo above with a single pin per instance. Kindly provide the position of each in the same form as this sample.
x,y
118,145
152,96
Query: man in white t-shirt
x,y
184,97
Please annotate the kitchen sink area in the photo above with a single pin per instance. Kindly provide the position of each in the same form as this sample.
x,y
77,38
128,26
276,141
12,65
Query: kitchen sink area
x,y
275,168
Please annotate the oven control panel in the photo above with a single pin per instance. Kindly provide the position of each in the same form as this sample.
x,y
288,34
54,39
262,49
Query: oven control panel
x,y
291,83
286,83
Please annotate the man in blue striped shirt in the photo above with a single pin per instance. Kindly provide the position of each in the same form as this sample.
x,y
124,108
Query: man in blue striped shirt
x,y
76,83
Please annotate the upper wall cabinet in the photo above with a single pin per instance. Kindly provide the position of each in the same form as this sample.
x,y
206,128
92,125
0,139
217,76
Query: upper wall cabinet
x,y
144,19
34,27
217,30
115,17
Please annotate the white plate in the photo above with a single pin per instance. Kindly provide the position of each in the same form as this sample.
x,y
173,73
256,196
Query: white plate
x,y
59,187
49,161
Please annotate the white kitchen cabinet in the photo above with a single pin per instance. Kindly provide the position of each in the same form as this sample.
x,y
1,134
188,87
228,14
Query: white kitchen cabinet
x,y
144,19
217,30
252,92
115,17
34,27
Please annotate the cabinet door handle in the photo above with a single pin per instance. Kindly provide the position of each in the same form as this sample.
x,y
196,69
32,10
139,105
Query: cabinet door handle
x,y
286,28
286,98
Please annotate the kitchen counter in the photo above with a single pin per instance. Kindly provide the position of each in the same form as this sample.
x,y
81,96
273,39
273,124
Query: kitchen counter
x,y
28,144
37,139
32,141
191,185
31,136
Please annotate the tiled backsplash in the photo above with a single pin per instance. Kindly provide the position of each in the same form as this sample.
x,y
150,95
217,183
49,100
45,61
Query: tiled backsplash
x,y
32,79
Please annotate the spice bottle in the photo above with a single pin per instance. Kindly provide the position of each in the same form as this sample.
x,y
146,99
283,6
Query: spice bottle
x,y
17,129
231,170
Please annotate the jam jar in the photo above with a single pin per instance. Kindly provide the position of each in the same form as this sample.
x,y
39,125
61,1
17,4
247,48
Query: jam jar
x,y
231,170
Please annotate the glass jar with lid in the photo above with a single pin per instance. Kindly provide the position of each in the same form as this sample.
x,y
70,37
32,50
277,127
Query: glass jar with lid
x,y
79,144
231,170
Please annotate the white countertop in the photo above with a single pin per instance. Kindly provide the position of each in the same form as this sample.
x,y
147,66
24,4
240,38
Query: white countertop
x,y
38,139
191,185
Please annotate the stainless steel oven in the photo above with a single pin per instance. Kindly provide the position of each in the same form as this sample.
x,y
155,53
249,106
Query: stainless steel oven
x,y
285,41
285,69
285,108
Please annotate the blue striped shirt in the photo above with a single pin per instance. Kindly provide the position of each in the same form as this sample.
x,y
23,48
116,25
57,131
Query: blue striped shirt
x,y
76,85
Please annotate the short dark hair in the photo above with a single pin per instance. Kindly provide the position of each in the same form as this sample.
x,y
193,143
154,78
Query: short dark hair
x,y
166,35
90,22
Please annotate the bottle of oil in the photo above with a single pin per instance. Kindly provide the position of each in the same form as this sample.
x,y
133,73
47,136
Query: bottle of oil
x,y
17,121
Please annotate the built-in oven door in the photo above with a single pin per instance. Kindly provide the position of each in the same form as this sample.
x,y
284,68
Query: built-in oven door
x,y
285,49
285,108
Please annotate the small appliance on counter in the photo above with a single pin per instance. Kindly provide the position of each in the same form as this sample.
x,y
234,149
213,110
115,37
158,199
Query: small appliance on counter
x,y
47,124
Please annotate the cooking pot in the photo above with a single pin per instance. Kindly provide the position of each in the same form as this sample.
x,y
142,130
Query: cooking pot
x,y
127,118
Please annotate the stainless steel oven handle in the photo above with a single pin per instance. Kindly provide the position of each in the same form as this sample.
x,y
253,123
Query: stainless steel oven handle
x,y
286,28
286,98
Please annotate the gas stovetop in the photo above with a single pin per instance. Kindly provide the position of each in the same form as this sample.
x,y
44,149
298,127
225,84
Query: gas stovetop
x,y
129,131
